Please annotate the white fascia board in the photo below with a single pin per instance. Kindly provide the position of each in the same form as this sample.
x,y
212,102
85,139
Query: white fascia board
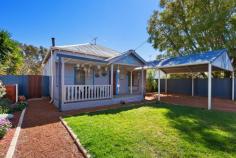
x,y
181,65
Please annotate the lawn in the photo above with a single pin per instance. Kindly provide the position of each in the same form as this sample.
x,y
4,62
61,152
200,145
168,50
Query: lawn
x,y
157,130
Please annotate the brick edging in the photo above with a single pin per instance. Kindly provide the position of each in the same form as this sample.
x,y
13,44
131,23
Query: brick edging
x,y
75,139
13,144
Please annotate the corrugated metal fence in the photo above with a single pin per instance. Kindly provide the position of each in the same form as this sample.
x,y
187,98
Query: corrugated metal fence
x,y
23,83
220,87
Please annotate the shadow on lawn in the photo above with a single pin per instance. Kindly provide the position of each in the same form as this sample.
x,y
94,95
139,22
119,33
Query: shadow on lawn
x,y
115,110
212,129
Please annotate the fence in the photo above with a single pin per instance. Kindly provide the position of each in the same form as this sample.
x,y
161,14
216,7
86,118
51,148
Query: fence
x,y
221,88
24,85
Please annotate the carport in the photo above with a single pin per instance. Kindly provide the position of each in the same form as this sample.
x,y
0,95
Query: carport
x,y
210,61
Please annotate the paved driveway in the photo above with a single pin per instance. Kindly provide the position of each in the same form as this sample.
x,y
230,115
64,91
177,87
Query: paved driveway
x,y
196,101
43,135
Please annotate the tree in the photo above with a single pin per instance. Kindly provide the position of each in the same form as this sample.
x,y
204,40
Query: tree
x,y
189,26
10,55
151,84
33,57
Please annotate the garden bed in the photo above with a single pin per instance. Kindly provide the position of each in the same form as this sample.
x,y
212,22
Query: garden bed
x,y
158,130
6,140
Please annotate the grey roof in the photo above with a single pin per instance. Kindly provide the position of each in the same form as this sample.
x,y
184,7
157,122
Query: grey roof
x,y
90,49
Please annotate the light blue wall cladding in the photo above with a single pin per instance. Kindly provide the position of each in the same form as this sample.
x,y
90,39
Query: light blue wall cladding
x,y
101,80
123,81
129,60
69,74
89,79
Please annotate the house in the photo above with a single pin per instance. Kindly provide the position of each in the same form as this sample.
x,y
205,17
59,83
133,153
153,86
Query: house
x,y
89,75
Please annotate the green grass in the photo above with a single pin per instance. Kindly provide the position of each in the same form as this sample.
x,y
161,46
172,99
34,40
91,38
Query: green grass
x,y
157,131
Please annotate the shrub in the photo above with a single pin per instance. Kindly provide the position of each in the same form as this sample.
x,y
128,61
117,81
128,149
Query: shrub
x,y
151,85
2,90
21,98
5,124
18,107
4,105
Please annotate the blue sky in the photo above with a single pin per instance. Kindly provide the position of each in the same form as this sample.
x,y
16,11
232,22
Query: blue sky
x,y
118,24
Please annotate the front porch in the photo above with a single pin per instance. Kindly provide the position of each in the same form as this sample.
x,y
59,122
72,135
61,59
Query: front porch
x,y
87,84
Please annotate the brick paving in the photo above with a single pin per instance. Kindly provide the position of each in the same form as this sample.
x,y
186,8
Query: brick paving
x,y
43,135
195,101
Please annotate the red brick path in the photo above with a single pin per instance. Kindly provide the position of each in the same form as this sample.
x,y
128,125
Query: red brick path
x,y
196,101
43,135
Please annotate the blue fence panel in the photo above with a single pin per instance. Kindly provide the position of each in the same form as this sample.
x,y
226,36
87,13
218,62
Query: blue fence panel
x,y
22,81
45,85
220,87
183,86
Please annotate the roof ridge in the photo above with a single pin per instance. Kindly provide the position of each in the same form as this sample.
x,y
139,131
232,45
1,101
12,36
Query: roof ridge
x,y
69,45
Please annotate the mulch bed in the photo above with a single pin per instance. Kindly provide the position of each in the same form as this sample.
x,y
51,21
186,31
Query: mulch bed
x,y
43,135
6,140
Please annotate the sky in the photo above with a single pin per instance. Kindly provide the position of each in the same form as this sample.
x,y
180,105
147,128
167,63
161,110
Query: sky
x,y
118,24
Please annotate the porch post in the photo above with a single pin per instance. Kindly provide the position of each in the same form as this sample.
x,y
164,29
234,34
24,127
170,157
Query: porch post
x,y
166,84
117,80
131,81
111,90
209,86
233,85
62,79
159,85
142,83
192,85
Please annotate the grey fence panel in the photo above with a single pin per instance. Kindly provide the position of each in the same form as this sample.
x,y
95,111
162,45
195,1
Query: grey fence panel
x,y
221,88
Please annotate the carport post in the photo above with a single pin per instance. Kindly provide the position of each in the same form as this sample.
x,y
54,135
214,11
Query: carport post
x,y
233,85
159,85
209,86
192,85
166,84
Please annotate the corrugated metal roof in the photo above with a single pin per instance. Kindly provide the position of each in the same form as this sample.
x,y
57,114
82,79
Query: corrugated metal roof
x,y
90,49
194,63
197,58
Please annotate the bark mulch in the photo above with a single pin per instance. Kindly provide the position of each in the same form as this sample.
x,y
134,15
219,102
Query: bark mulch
x,y
6,140
195,101
43,135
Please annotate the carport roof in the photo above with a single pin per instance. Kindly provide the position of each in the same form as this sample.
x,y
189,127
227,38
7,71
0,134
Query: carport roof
x,y
197,62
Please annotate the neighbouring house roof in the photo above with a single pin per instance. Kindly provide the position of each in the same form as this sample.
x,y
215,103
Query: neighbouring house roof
x,y
197,62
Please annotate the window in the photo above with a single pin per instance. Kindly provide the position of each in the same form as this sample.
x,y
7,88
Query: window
x,y
80,77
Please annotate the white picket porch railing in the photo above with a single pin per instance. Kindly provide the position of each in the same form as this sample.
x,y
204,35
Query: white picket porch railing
x,y
73,93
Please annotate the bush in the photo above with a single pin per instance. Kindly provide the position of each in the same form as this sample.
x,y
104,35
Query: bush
x,y
19,107
2,90
4,105
5,124
151,85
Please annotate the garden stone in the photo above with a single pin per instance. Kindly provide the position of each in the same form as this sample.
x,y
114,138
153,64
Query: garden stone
x,y
8,116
